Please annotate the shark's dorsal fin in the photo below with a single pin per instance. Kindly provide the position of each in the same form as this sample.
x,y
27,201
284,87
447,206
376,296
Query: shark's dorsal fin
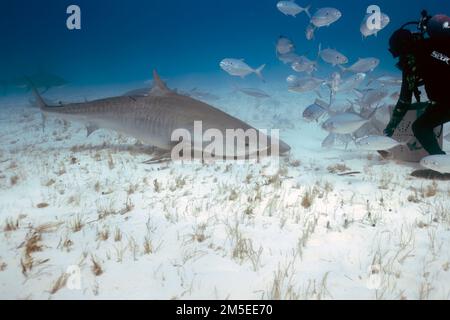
x,y
159,87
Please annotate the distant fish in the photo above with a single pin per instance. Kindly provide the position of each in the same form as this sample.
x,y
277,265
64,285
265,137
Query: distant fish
x,y
39,80
289,58
370,97
202,95
363,65
374,143
301,85
309,33
284,45
332,56
253,92
352,82
236,67
315,111
325,17
303,64
142,92
292,80
367,31
387,80
439,163
344,123
333,84
290,8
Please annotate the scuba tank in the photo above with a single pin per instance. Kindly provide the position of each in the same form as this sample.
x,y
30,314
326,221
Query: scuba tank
x,y
437,26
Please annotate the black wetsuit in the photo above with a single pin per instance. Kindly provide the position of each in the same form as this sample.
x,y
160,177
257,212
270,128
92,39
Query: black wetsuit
x,y
429,65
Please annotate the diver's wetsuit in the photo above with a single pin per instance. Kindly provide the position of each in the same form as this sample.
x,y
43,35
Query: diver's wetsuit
x,y
428,64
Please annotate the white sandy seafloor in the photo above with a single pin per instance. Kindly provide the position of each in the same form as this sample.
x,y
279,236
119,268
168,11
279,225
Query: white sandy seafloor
x,y
219,231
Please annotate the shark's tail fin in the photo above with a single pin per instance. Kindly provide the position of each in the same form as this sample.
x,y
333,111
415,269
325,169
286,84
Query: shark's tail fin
x,y
40,101
259,72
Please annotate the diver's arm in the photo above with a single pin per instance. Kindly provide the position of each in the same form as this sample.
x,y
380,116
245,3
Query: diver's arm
x,y
402,106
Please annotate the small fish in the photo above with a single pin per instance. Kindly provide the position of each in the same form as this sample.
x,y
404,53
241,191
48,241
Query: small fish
x,y
289,58
325,17
374,143
292,80
367,31
352,82
304,84
253,92
334,81
439,163
201,95
370,97
284,45
362,65
329,141
315,111
303,64
310,29
387,80
344,123
290,8
236,67
332,56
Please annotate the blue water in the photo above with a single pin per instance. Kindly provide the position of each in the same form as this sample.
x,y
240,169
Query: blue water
x,y
122,41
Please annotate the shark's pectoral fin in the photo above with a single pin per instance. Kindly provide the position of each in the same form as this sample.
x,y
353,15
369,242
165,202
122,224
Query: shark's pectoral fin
x,y
159,88
91,128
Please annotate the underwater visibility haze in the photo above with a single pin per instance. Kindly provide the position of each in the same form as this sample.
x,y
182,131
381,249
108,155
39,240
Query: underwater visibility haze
x,y
348,198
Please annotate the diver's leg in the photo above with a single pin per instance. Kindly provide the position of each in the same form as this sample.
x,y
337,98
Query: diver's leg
x,y
423,127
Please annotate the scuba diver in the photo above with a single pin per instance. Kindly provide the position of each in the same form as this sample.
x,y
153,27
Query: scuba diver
x,y
424,61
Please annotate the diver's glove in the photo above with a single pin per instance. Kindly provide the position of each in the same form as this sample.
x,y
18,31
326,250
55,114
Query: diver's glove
x,y
397,116
389,131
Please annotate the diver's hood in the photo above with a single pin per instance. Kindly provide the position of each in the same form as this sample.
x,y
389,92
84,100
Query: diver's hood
x,y
401,42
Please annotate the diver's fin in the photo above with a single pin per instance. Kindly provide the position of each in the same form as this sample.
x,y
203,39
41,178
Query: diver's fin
x,y
159,87
91,128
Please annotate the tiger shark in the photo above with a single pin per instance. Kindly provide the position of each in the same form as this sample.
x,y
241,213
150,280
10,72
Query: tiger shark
x,y
153,118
